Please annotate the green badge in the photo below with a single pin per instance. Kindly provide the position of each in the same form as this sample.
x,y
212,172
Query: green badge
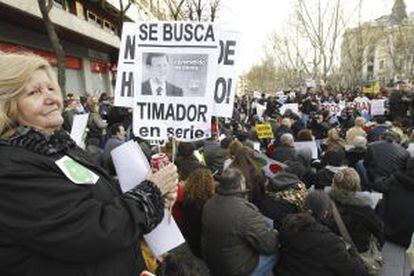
x,y
76,172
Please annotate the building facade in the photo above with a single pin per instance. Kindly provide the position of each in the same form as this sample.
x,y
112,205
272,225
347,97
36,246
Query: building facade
x,y
87,31
381,51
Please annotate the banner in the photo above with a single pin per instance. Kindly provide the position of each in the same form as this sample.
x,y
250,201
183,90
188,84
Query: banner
x,y
170,69
225,84
264,131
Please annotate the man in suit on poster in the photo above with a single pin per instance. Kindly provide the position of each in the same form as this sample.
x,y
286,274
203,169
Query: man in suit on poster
x,y
157,64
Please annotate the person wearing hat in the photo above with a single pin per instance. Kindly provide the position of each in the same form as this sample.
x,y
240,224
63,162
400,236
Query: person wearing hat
x,y
236,240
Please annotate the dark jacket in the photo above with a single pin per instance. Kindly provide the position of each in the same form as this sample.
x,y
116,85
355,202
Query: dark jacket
x,y
360,220
353,155
214,156
192,213
279,132
324,176
375,133
110,145
284,153
312,249
385,158
172,90
234,234
52,226
396,207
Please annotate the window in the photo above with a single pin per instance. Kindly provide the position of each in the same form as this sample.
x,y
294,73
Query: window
x,y
94,19
108,26
80,12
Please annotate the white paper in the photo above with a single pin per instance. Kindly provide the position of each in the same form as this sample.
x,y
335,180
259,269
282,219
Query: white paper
x,y
260,109
131,165
165,237
256,146
377,107
226,78
308,145
292,106
80,121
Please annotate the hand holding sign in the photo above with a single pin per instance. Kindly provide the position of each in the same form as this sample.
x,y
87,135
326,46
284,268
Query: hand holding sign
x,y
166,180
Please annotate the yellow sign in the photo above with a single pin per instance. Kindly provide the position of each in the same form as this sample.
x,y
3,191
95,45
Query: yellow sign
x,y
264,131
377,88
367,90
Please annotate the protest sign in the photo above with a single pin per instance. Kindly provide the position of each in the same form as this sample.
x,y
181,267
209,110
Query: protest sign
x,y
292,106
264,131
225,84
334,108
362,104
377,107
170,69
260,109
257,95
77,133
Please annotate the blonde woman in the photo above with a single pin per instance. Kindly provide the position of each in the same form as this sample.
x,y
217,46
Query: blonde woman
x,y
59,214
356,131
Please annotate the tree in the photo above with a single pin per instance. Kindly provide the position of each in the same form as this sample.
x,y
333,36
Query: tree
x,y
262,76
45,9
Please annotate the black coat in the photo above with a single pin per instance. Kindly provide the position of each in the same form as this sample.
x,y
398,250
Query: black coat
x,y
385,158
52,226
360,220
192,214
234,234
396,207
312,249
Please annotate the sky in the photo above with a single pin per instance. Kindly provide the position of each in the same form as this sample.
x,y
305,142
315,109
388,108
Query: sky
x,y
256,19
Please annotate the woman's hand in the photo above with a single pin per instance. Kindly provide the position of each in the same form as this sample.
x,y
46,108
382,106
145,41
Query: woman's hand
x,y
166,180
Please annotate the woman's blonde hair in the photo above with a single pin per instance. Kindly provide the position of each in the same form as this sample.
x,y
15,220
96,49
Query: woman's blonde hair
x,y
346,182
15,72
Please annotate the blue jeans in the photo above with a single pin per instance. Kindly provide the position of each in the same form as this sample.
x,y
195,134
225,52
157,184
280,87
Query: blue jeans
x,y
266,265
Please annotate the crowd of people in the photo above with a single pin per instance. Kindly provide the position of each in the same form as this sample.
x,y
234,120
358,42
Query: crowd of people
x,y
316,216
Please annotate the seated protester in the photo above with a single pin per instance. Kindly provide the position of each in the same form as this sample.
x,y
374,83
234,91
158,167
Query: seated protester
x,y
334,161
309,247
333,140
118,135
235,239
185,160
360,219
282,129
94,152
356,131
285,194
255,178
199,187
214,155
357,151
286,150
381,127
385,157
396,207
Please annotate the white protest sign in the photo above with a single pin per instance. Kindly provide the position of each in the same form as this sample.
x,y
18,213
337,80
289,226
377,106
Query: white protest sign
x,y
80,121
292,106
174,74
225,85
260,109
308,145
257,95
377,107
334,108
165,236
362,104
129,158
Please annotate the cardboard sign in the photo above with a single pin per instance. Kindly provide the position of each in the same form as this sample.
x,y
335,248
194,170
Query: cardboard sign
x,y
264,131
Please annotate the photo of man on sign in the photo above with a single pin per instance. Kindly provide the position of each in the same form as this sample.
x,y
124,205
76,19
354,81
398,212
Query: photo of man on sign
x,y
157,65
